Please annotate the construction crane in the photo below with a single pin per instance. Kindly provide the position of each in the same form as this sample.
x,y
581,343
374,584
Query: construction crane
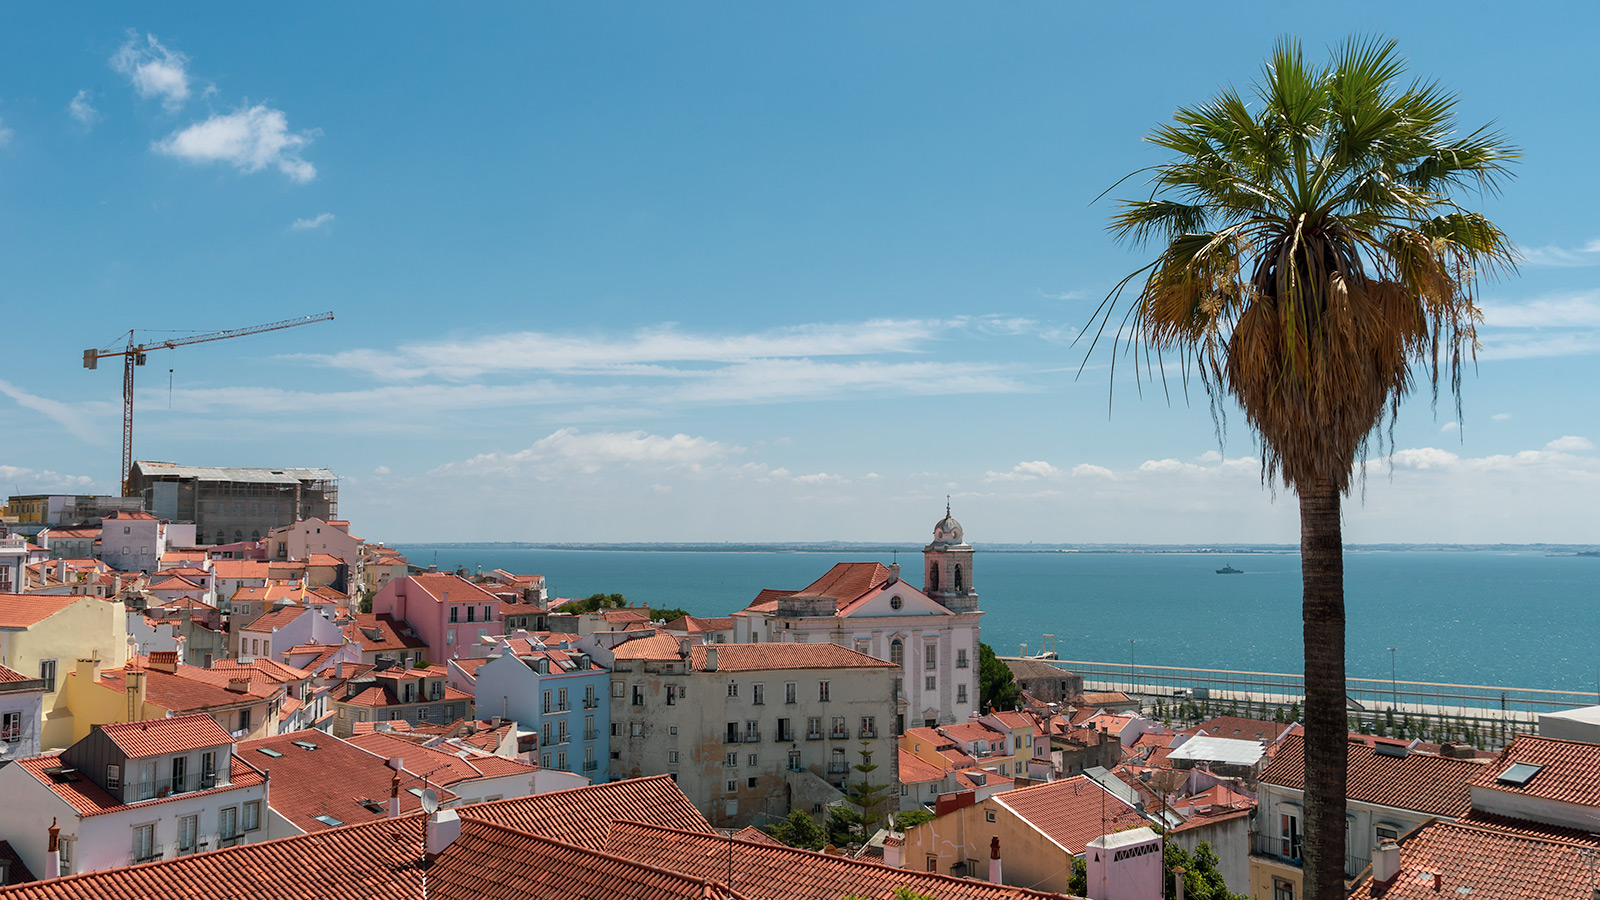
x,y
134,355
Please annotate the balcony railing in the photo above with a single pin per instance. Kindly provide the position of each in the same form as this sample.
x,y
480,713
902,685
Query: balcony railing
x,y
868,733
752,737
813,735
589,765
1272,847
591,702
785,735
591,734
166,787
837,768
839,734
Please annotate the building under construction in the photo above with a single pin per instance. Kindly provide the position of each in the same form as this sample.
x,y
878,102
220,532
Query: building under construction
x,y
235,503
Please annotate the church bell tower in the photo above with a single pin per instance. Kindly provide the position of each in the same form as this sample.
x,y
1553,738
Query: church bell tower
x,y
947,567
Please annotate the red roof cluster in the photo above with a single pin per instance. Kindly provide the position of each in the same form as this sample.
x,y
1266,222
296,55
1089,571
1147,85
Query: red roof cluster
x,y
1436,785
154,737
1072,812
755,657
1568,771
1472,861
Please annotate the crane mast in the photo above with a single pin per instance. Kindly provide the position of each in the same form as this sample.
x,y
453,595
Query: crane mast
x,y
134,355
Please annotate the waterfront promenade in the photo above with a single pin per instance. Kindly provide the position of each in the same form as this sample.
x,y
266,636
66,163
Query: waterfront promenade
x,y
1491,713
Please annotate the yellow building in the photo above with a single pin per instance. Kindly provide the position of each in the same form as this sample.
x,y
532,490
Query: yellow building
x,y
158,687
43,635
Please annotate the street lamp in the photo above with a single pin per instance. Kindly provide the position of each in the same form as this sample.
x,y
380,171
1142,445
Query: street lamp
x,y
1394,686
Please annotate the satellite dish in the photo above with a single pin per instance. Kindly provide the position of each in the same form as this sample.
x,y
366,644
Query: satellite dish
x,y
430,802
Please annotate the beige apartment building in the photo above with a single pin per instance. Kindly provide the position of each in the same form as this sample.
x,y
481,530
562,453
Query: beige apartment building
x,y
752,731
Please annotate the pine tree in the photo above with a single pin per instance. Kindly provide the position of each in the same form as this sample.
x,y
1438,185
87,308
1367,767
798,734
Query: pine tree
x,y
867,797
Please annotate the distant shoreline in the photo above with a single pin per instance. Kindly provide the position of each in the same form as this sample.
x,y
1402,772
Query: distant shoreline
x,y
1587,550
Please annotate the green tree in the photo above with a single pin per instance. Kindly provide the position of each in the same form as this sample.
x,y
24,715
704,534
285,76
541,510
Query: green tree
x,y
911,819
667,615
799,830
364,603
1314,256
595,602
1078,883
865,796
1201,880
996,685
842,825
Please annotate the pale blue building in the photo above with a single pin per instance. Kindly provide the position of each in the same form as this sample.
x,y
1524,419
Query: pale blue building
x,y
558,694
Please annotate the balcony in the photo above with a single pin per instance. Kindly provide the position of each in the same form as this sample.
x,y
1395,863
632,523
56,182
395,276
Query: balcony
x,y
591,734
839,734
813,735
785,735
868,733
591,702
752,737
589,765
1274,847
838,768
133,792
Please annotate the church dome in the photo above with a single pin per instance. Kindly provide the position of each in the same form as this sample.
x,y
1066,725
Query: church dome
x,y
947,530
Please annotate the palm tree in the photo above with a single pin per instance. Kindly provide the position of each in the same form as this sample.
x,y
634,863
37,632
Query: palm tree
x,y
1313,262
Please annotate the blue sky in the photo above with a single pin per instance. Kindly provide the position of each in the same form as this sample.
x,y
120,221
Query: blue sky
x,y
720,271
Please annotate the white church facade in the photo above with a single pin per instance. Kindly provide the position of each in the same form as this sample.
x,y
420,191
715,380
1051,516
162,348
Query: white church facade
x,y
931,633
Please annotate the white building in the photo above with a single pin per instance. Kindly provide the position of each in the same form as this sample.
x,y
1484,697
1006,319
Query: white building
x,y
21,711
133,792
751,732
133,541
931,634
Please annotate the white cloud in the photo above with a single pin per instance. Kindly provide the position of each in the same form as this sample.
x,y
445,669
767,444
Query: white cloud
x,y
1450,427
313,223
1210,456
72,418
5,135
1570,443
1566,311
30,481
381,470
1500,417
1561,325
819,478
153,70
1587,255
249,139
1090,470
1025,471
1064,295
588,453
81,109
1424,458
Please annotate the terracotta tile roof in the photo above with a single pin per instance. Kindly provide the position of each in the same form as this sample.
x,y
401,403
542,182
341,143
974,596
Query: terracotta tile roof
x,y
89,799
1103,698
972,731
157,736
930,736
377,632
261,669
1013,719
957,759
174,582
775,872
24,610
756,657
966,780
697,625
847,581
1529,828
460,589
625,616
1207,818
17,871
583,816
1570,773
1070,811
8,676
656,646
189,689
239,568
915,770
1479,862
278,618
337,779
379,696
767,600
445,766
1434,785
323,559
1241,728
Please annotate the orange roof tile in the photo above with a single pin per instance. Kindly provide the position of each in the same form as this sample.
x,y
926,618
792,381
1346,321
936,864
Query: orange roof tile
x,y
460,589
323,559
1072,812
915,770
1570,770
278,618
188,689
1240,728
239,568
16,870
444,767
1434,785
775,872
847,581
24,610
656,646
157,736
755,657
1481,862
767,600
377,632
583,816
336,779
8,676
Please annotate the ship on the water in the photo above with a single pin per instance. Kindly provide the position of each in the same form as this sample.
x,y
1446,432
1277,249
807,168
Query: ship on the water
x,y
1229,570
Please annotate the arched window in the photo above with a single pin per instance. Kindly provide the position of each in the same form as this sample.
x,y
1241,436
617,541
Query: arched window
x,y
897,652
958,579
238,535
933,578
222,536
255,535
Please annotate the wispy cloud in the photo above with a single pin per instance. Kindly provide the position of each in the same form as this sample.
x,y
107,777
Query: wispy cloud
x,y
39,480
588,453
250,139
312,223
1586,255
81,109
1562,325
72,418
154,71
5,134
1570,443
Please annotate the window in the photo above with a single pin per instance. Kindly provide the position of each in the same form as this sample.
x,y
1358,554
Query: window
x,y
733,786
1387,833
836,765
895,602
472,613
672,757
422,713
731,760
561,700
961,693
638,695
1289,835
562,736
144,843
930,657
547,706
750,783
672,695
252,815
751,761
228,823
897,652
244,720
822,691
66,856
1282,889
455,615
11,727
733,689
789,691
616,729
618,689
785,730
961,658
547,734
589,733
988,815
758,694
930,683
814,728
869,726
113,777
636,729
958,579
487,614
837,729
188,831
47,673
561,760
544,760
794,760
180,765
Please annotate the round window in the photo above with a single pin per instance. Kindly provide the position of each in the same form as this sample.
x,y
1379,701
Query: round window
x,y
895,603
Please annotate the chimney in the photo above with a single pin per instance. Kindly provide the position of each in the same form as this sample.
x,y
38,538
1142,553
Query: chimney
x,y
711,659
239,685
133,686
1386,862
994,859
444,827
52,859
394,795
1177,880
163,661
1438,881
894,574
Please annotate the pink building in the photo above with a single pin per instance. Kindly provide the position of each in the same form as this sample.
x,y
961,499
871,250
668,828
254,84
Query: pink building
x,y
450,613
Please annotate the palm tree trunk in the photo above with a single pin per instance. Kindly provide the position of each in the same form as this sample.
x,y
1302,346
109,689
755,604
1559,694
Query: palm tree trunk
x,y
1322,608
